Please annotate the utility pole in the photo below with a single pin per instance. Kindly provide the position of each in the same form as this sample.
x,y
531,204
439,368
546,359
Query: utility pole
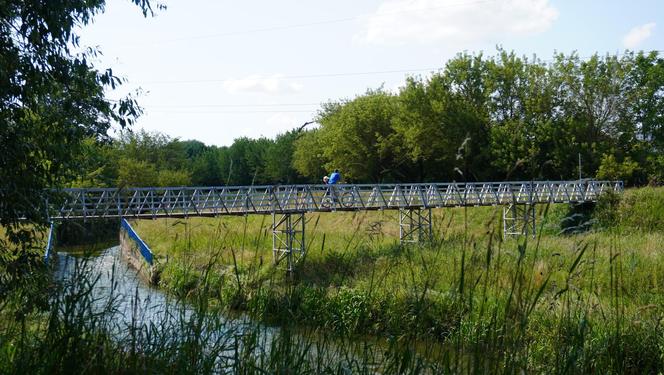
x,y
579,166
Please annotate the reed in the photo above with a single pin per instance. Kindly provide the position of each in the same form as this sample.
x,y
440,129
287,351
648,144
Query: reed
x,y
468,302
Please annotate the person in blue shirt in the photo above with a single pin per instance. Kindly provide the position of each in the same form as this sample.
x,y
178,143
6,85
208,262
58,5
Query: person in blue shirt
x,y
333,180
334,177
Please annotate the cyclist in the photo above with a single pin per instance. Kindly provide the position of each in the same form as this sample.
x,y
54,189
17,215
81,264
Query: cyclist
x,y
334,177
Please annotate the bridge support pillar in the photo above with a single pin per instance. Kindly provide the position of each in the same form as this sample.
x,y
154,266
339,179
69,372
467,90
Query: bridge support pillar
x,y
519,220
415,225
288,238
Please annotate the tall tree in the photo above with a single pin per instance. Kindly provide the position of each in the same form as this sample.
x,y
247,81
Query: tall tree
x,y
51,100
354,137
279,159
441,132
208,168
309,159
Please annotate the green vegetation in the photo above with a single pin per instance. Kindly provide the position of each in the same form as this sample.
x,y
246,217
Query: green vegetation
x,y
478,119
52,105
588,302
568,301
84,333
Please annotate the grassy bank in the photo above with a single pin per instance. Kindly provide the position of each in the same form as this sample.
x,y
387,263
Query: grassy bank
x,y
69,327
556,303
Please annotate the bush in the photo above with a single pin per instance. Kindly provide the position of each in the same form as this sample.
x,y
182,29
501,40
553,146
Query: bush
x,y
606,213
611,169
643,209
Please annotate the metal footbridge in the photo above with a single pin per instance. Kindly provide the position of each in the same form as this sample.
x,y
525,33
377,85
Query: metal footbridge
x,y
289,203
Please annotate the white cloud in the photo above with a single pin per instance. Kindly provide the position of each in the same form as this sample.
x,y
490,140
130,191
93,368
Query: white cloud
x,y
638,34
274,84
428,21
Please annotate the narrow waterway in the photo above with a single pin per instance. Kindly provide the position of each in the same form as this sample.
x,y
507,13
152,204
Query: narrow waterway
x,y
113,281
133,311
128,306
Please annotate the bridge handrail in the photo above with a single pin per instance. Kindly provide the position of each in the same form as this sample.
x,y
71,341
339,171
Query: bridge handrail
x,y
235,187
265,199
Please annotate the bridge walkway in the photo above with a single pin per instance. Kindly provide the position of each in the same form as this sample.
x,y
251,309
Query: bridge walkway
x,y
289,203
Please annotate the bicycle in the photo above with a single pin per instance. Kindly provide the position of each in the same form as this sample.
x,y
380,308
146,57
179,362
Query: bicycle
x,y
342,196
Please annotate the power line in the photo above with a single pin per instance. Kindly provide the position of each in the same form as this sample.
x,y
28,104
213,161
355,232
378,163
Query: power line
x,y
302,76
310,24
166,106
354,74
220,112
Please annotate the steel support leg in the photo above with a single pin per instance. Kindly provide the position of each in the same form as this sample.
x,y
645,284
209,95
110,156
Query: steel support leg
x,y
415,225
288,238
49,242
519,220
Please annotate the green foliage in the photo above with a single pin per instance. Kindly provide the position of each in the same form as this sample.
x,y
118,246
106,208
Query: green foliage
x,y
247,161
481,118
207,168
169,177
354,137
51,101
611,169
136,173
308,156
439,131
643,209
279,159
53,106
193,148
607,210
503,117
98,164
655,169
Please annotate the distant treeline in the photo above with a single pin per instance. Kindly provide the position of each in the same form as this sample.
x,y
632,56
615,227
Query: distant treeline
x,y
479,119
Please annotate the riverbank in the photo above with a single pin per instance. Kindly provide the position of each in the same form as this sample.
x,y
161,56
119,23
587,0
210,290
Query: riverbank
x,y
583,302
99,316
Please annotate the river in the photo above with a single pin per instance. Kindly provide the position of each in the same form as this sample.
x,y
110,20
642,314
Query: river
x,y
133,311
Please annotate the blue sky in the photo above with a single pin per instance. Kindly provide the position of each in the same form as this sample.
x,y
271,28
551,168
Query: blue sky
x,y
219,70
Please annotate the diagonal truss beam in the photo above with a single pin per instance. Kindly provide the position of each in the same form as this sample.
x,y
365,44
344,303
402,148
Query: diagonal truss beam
x,y
153,202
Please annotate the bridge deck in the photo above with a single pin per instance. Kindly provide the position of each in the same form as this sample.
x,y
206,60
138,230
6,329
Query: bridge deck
x,y
154,202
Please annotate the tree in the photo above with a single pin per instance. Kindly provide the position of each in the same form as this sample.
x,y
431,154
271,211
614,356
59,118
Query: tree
x,y
611,169
98,165
466,75
247,161
591,97
208,168
279,159
51,100
193,148
355,137
172,177
136,173
441,132
308,155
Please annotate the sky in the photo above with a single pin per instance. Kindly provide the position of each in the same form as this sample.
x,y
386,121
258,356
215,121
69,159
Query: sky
x,y
219,70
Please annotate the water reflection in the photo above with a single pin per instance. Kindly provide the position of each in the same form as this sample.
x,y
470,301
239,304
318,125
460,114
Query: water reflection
x,y
118,291
114,281
140,316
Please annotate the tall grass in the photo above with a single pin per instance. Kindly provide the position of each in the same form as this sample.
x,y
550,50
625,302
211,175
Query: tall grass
x,y
83,331
469,301
589,301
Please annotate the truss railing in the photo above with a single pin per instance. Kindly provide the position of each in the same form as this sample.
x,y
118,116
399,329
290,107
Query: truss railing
x,y
153,202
